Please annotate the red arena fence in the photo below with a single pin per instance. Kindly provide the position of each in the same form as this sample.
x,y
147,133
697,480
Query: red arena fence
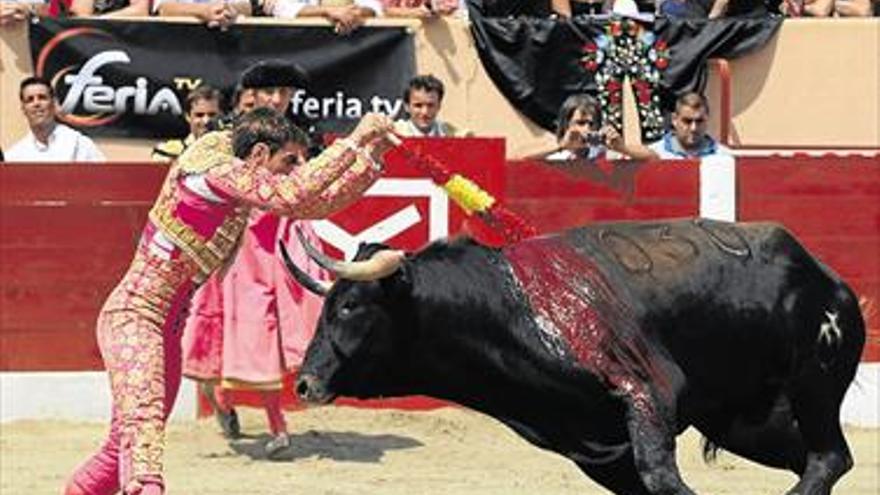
x,y
67,232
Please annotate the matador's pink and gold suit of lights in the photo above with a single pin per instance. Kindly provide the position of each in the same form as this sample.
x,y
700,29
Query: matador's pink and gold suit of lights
x,y
193,230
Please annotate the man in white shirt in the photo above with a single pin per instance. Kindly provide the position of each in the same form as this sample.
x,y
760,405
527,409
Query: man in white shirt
x,y
48,140
422,100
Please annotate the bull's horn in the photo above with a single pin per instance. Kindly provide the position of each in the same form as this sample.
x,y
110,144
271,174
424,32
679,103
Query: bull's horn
x,y
319,288
381,264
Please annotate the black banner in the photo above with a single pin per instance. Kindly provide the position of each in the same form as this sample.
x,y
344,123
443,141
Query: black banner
x,y
536,62
129,79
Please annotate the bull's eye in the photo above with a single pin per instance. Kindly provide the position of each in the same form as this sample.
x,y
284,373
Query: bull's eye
x,y
346,310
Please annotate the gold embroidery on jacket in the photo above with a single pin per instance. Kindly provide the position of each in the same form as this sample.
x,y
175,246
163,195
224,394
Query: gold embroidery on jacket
x,y
212,150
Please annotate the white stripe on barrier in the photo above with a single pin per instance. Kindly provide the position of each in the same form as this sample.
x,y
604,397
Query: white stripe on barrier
x,y
861,406
86,396
71,395
718,188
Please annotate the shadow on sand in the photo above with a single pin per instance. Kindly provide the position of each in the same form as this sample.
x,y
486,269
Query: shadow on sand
x,y
345,446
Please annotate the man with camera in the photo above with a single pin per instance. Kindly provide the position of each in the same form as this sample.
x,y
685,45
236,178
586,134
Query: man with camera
x,y
580,137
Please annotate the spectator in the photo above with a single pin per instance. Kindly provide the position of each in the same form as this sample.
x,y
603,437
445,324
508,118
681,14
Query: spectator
x,y
853,8
213,13
273,83
580,136
827,8
807,8
244,99
569,8
346,16
200,107
15,11
110,8
712,9
688,138
422,101
422,9
48,140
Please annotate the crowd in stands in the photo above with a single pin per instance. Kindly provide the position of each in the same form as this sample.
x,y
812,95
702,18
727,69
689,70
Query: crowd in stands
x,y
580,134
422,100
348,15
712,9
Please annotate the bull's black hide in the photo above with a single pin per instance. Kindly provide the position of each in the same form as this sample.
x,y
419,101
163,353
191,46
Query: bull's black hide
x,y
605,342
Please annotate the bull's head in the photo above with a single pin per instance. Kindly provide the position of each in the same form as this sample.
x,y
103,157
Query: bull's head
x,y
353,344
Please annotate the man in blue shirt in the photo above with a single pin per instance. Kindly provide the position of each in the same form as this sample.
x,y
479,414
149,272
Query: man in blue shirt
x,y
688,138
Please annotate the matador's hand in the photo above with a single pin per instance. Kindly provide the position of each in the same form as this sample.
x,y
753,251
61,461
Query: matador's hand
x,y
372,127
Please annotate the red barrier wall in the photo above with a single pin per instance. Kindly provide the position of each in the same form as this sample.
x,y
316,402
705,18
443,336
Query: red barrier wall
x,y
67,232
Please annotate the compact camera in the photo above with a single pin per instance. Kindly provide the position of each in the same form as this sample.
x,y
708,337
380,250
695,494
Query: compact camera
x,y
594,138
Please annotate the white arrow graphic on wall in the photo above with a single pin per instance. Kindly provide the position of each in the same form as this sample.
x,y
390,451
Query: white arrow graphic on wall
x,y
387,228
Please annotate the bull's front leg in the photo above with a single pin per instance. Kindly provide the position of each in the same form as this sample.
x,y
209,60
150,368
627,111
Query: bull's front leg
x,y
653,442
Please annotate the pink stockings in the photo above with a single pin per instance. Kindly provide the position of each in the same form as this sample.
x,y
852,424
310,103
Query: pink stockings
x,y
142,357
271,403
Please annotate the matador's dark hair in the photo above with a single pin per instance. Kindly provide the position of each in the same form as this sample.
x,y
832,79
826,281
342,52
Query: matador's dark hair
x,y
264,125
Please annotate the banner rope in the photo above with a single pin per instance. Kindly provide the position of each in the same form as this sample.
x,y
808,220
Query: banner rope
x,y
466,193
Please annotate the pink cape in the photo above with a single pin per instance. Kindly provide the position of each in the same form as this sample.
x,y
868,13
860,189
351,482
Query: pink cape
x,y
254,323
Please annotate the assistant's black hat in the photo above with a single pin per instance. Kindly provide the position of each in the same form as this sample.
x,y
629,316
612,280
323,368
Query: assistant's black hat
x,y
273,74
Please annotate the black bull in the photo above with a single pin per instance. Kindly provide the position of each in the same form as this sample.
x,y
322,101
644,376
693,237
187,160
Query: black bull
x,y
605,342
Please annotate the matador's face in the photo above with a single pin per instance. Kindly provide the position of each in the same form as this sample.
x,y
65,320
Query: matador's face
x,y
287,158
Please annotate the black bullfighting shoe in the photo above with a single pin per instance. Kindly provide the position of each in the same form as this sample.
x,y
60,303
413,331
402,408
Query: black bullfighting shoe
x,y
229,423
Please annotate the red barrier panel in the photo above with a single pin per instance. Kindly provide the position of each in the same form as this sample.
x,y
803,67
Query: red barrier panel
x,y
67,232
556,196
832,204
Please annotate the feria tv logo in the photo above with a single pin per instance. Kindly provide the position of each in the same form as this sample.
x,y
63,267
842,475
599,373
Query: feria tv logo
x,y
102,103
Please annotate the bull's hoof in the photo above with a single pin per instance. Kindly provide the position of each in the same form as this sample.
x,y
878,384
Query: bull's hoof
x,y
808,489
